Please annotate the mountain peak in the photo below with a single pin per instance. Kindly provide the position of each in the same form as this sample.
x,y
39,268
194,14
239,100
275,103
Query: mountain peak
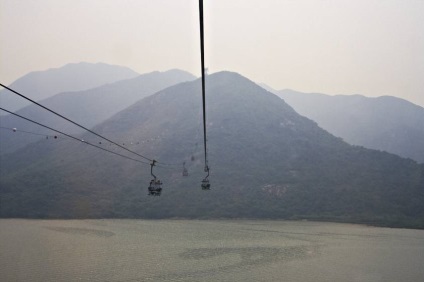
x,y
234,82
226,76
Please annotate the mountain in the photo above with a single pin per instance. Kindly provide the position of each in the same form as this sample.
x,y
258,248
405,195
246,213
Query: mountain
x,y
266,161
384,123
88,107
40,85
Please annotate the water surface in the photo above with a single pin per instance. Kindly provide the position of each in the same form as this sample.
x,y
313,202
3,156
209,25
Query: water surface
x,y
190,250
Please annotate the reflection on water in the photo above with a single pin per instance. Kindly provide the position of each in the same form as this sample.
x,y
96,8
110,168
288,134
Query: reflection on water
x,y
182,250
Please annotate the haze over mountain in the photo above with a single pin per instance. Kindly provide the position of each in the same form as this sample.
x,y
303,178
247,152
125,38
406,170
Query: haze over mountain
x,y
385,123
266,161
88,107
40,85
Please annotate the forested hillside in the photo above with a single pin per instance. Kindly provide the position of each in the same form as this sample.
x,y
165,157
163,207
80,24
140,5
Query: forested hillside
x,y
266,161
385,123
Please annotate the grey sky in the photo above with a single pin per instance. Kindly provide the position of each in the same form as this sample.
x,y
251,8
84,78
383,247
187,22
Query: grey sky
x,y
364,47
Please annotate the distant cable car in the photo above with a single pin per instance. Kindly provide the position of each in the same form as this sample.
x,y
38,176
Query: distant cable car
x,y
185,171
155,186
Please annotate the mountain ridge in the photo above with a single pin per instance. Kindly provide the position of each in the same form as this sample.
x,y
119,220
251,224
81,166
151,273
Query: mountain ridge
x,y
266,161
87,107
39,85
383,123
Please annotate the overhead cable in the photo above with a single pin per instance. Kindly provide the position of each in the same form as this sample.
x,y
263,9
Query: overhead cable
x,y
202,55
18,130
73,122
75,138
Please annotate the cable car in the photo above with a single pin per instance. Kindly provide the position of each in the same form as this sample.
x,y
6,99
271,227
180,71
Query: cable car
x,y
205,182
155,186
185,171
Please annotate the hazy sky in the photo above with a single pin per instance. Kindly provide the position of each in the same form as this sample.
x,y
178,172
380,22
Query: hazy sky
x,y
364,47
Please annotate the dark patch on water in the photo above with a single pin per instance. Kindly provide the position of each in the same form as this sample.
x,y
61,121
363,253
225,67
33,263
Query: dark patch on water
x,y
81,231
252,255
248,257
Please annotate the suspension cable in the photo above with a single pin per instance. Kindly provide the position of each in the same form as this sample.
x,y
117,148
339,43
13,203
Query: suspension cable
x,y
18,130
75,138
202,55
67,119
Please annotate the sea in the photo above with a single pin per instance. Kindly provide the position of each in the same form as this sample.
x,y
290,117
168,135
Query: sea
x,y
207,250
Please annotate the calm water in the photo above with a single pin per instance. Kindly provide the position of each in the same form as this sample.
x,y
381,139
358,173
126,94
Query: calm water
x,y
181,250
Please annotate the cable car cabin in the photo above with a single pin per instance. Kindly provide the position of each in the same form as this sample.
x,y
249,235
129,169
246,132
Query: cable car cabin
x,y
185,172
205,184
155,188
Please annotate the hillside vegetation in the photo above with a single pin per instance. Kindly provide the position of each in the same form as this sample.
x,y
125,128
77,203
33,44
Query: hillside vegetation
x,y
266,161
385,123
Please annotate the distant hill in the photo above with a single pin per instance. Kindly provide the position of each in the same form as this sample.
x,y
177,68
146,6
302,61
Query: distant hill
x,y
39,85
384,123
88,107
266,161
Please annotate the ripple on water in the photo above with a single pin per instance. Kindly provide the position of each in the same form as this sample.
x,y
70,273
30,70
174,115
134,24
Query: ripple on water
x,y
246,258
81,231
